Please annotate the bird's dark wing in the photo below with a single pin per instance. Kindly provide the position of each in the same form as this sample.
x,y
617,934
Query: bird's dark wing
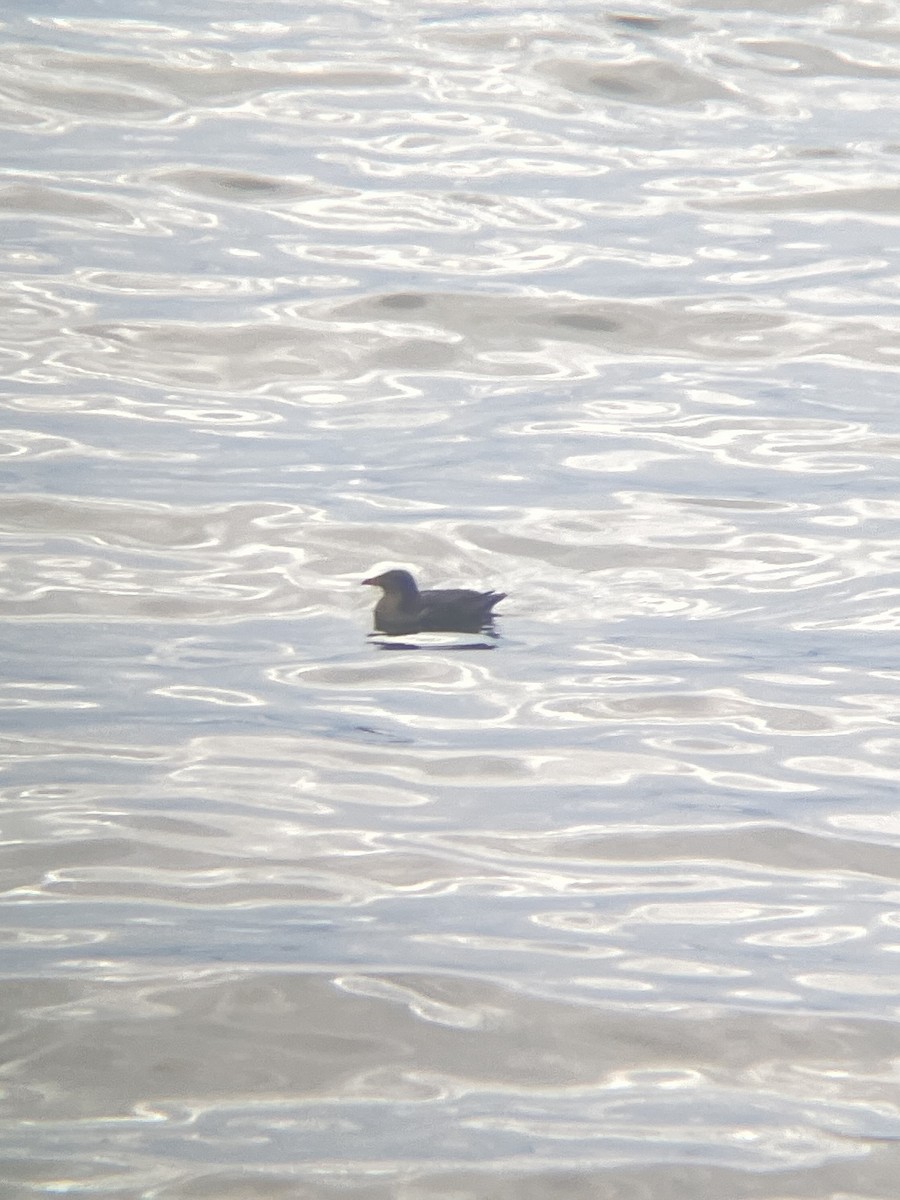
x,y
457,609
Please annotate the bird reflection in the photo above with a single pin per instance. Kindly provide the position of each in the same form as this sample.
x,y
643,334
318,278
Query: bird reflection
x,y
377,640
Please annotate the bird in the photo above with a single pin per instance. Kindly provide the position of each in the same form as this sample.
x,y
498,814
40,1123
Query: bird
x,y
404,609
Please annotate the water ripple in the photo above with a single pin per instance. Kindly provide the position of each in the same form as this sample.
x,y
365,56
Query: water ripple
x,y
594,308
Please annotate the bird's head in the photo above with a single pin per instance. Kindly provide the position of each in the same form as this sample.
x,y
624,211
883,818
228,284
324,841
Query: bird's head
x,y
395,580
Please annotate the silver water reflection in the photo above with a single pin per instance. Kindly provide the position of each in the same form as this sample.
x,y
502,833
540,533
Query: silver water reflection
x,y
595,308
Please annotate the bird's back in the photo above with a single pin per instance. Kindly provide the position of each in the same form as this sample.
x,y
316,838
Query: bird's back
x,y
457,609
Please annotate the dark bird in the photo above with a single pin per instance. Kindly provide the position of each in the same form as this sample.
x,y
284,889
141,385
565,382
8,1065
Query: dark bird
x,y
404,609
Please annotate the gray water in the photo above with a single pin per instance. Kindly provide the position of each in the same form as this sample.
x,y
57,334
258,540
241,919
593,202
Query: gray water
x,y
597,307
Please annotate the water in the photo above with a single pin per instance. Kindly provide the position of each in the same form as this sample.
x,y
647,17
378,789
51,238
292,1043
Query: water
x,y
595,307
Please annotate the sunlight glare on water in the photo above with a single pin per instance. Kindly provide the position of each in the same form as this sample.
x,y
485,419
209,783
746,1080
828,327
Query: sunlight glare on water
x,y
595,307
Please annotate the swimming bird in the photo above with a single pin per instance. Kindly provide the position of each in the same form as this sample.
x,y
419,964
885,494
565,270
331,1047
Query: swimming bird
x,y
404,609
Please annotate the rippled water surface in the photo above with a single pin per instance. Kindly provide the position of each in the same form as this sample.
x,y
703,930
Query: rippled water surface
x,y
594,306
